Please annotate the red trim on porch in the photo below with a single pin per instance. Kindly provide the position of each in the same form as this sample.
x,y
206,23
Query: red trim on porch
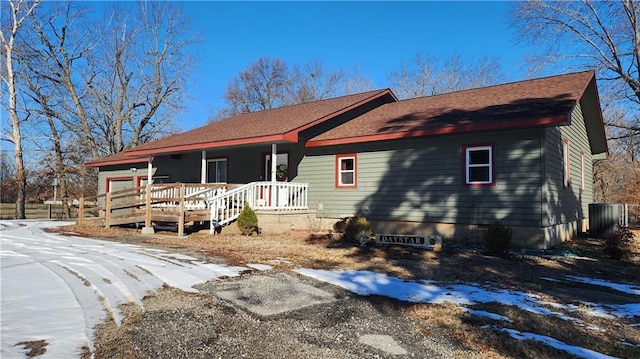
x,y
116,162
208,145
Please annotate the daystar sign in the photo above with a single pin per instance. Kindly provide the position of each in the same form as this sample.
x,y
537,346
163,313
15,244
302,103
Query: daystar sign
x,y
430,241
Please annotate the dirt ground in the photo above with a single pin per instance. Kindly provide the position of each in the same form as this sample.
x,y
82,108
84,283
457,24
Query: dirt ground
x,y
170,315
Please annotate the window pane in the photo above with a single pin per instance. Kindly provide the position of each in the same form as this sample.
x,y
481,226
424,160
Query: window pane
x,y
347,164
478,157
347,177
479,174
222,171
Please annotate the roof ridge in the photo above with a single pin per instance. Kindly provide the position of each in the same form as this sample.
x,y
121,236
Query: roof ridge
x,y
312,102
497,85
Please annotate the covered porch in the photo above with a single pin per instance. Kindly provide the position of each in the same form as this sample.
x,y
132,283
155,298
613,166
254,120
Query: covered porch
x,y
180,204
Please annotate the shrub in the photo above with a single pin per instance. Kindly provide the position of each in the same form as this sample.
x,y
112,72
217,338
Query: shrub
x,y
340,225
617,244
497,239
355,225
247,221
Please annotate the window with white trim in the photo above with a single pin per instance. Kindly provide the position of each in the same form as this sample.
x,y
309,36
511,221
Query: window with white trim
x,y
346,170
479,165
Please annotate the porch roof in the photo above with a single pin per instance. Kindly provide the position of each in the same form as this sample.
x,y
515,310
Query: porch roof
x,y
277,125
537,102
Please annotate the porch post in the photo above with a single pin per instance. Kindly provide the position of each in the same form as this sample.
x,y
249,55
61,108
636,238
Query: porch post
x,y
274,158
148,229
203,168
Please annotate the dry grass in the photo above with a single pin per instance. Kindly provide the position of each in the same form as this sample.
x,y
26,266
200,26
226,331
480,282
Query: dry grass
x,y
518,272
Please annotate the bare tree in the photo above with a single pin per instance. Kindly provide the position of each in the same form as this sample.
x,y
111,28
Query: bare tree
x,y
354,82
263,85
20,11
140,70
120,76
268,83
600,35
605,36
313,82
427,75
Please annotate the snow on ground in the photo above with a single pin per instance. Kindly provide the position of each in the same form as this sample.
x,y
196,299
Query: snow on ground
x,y
371,283
58,288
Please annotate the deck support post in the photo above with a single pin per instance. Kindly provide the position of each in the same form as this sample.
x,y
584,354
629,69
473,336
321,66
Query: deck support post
x,y
148,229
107,210
81,210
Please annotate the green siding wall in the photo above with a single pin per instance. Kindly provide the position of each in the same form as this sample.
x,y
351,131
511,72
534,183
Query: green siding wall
x,y
563,204
421,180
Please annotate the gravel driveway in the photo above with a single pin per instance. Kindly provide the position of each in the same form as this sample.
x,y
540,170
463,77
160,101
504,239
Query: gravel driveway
x,y
56,290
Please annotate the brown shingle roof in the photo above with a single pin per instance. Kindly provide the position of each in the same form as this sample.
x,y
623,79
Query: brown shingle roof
x,y
280,124
541,101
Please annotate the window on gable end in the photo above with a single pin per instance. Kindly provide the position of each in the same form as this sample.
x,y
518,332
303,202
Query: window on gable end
x,y
479,166
346,171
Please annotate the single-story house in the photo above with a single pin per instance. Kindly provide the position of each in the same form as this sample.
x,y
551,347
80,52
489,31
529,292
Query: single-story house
x,y
450,164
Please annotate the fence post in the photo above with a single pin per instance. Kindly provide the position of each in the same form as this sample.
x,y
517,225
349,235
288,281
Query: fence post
x,y
107,210
49,211
81,210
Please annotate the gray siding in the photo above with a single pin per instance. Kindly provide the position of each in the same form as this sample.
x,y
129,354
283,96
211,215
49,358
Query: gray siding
x,y
421,180
564,204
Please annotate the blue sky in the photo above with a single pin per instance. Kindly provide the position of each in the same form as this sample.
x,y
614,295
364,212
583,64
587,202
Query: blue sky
x,y
377,37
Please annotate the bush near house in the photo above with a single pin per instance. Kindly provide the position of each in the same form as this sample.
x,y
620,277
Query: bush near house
x,y
617,244
248,221
355,225
497,239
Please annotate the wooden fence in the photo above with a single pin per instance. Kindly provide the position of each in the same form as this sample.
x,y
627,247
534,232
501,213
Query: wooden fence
x,y
36,211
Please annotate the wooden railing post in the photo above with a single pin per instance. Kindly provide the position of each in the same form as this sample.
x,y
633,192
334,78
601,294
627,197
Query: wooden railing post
x,y
148,229
81,210
107,210
181,210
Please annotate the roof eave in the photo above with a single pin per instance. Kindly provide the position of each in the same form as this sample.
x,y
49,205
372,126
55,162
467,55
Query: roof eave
x,y
99,163
448,130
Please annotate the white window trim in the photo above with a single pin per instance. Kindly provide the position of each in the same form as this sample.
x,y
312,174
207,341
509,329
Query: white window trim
x,y
468,165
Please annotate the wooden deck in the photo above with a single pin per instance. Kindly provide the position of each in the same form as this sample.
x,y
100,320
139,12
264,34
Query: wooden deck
x,y
191,203
173,204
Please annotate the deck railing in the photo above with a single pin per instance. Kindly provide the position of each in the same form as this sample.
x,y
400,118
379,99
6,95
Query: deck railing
x,y
224,201
278,196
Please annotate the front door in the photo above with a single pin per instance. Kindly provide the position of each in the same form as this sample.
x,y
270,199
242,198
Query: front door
x,y
282,167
